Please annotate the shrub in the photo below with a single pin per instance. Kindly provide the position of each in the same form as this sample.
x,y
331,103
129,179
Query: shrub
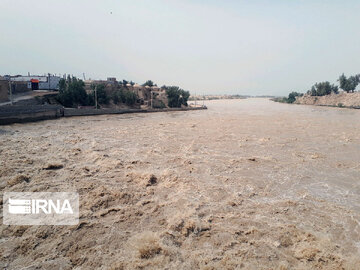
x,y
159,105
292,97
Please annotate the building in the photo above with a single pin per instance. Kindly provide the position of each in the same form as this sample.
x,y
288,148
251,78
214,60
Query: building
x,y
111,80
158,97
49,82
4,90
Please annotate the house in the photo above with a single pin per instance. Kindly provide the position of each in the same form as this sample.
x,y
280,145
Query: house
x,y
49,82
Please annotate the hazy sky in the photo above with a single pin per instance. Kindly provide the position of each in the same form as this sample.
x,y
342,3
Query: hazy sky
x,y
205,46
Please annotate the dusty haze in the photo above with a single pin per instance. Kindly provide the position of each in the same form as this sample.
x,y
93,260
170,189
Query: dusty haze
x,y
247,184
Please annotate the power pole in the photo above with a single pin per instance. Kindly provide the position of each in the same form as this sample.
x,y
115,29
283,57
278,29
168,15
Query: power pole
x,y
96,105
11,98
152,107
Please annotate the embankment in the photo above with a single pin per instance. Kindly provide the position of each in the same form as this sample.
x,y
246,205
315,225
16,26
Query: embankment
x,y
28,113
348,100
20,114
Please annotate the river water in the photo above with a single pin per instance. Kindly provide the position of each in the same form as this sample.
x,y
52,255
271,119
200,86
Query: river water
x,y
248,184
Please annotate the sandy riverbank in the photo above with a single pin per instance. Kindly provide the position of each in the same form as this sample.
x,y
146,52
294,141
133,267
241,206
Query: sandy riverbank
x,y
246,184
342,99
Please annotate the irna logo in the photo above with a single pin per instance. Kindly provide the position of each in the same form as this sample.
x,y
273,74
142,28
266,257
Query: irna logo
x,y
37,206
41,208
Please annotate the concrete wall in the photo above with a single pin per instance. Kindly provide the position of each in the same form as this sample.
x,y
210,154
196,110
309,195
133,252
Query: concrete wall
x,y
52,83
19,87
20,114
4,89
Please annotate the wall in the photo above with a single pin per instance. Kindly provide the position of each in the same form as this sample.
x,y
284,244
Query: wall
x,y
19,87
53,85
4,88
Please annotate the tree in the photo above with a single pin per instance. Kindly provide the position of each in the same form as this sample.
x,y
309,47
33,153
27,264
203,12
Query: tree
x,y
292,97
349,84
101,94
124,96
130,98
124,83
72,92
322,89
62,84
149,83
176,96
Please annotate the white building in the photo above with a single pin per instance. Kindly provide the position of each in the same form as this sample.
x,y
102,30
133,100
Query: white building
x,y
49,82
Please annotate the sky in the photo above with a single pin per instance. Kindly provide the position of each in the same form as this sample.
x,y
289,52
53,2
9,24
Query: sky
x,y
255,47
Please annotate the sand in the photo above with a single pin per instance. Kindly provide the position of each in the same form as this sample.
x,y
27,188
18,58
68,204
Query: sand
x,y
342,99
246,184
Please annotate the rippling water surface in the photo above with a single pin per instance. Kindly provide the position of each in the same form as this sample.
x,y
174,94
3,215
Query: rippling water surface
x,y
247,184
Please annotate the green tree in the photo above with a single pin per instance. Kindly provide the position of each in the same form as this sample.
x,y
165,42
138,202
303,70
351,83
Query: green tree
x,y
62,84
124,83
349,84
322,89
124,96
292,97
101,94
149,83
116,97
176,96
130,98
72,92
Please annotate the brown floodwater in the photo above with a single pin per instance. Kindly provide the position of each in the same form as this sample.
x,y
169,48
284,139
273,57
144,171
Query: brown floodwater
x,y
246,184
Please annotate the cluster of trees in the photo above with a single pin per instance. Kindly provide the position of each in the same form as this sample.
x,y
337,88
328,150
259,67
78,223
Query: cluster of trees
x,y
176,96
323,89
124,96
326,88
72,93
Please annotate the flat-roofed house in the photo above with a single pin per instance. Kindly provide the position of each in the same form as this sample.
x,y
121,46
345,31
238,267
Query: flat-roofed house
x,y
49,82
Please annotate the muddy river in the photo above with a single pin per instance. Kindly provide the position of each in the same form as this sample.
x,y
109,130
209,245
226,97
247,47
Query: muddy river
x,y
246,184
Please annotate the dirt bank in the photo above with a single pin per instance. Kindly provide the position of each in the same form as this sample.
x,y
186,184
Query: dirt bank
x,y
342,99
246,184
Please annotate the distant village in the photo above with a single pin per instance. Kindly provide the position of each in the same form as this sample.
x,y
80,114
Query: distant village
x,y
72,92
